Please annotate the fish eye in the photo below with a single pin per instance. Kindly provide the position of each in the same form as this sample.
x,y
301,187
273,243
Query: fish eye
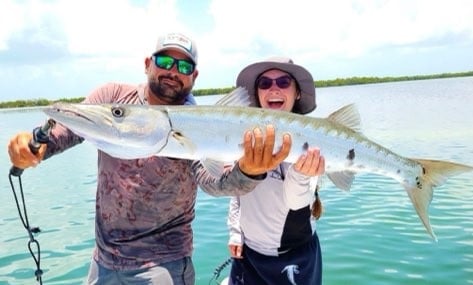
x,y
118,111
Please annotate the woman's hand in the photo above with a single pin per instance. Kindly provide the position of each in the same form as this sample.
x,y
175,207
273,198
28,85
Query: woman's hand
x,y
235,250
311,163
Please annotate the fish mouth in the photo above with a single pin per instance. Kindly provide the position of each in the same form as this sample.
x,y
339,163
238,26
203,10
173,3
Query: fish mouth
x,y
68,113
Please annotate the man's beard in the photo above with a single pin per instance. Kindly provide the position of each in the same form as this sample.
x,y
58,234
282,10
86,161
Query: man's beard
x,y
173,95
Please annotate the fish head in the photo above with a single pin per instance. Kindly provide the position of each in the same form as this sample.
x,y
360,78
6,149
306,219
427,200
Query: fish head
x,y
123,131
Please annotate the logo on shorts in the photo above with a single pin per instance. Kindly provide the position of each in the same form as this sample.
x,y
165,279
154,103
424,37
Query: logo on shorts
x,y
290,271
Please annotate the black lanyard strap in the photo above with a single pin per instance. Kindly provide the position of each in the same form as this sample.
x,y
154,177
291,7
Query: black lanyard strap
x,y
33,244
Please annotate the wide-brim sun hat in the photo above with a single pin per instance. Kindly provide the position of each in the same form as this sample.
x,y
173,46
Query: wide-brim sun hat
x,y
249,74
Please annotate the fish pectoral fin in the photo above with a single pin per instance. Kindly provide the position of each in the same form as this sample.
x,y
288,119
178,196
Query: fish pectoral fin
x,y
183,141
342,179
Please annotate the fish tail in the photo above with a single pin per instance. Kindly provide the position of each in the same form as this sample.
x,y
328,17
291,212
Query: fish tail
x,y
435,173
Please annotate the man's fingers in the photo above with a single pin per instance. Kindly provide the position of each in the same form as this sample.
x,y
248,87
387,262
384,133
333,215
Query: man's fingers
x,y
258,155
248,146
279,156
267,154
19,152
259,145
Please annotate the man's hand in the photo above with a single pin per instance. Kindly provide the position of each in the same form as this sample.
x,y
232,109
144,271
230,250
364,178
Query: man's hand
x,y
258,155
235,250
311,163
20,153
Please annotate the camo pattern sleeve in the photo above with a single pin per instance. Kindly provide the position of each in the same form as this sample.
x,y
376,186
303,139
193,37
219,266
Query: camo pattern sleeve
x,y
232,182
61,139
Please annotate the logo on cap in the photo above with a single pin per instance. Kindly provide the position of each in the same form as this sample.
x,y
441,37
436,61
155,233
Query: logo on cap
x,y
178,39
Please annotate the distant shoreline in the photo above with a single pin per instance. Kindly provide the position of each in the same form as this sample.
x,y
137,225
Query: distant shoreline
x,y
213,91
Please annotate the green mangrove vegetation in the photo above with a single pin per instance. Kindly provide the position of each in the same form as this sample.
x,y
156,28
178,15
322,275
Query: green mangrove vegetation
x,y
213,91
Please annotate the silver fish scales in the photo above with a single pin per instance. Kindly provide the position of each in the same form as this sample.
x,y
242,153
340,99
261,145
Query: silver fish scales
x,y
215,133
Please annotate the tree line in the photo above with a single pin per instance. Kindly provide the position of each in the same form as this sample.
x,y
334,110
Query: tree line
x,y
214,91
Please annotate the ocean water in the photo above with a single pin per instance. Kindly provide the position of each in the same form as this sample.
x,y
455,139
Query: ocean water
x,y
369,235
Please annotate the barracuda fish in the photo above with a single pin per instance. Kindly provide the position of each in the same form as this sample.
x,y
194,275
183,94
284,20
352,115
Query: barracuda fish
x,y
216,132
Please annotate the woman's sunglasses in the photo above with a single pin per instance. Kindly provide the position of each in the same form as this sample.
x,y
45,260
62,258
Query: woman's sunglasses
x,y
184,66
282,82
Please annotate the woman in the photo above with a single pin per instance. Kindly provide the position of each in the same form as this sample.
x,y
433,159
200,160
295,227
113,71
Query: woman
x,y
271,236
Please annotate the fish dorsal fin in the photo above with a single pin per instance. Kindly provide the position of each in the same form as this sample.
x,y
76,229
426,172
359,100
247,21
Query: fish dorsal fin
x,y
238,97
343,179
347,116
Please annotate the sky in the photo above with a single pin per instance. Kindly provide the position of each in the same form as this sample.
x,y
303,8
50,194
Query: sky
x,y
57,49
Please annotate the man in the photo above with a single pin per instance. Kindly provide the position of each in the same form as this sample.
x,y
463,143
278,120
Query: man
x,y
144,207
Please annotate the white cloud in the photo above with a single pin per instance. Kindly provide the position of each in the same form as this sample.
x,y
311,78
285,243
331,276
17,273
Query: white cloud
x,y
326,34
349,28
93,41
11,19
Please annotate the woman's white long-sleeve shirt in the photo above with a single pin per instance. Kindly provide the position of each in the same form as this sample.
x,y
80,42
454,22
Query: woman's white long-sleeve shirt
x,y
276,215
